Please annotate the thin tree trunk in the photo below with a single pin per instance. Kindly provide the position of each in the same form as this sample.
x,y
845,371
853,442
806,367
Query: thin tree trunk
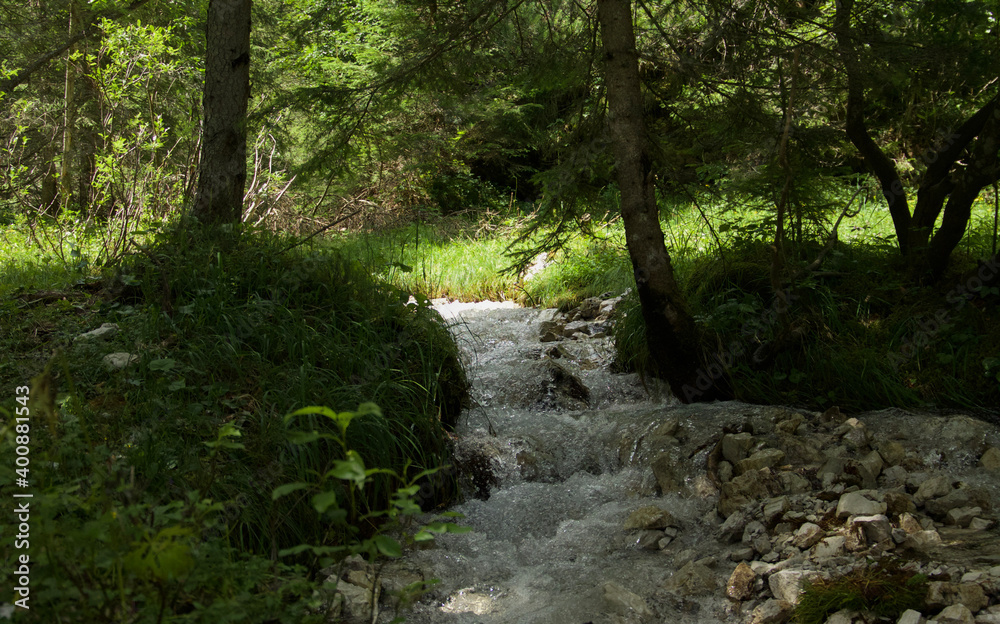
x,y
69,116
671,333
223,169
857,131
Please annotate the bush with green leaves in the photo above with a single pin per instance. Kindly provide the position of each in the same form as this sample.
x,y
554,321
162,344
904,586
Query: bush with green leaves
x,y
104,550
334,495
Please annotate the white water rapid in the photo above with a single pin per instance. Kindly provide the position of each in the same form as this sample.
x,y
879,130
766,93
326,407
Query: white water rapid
x,y
550,535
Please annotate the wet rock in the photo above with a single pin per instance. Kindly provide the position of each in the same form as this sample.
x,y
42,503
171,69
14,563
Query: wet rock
x,y
801,450
893,453
955,614
832,415
924,540
753,530
787,585
649,517
899,503
741,553
775,508
724,471
911,617
790,425
873,463
972,596
793,483
857,504
650,540
958,497
934,487
963,433
559,388
732,529
962,516
735,446
854,434
832,471
807,536
576,327
751,486
550,331
692,579
832,546
876,529
623,602
357,602
467,600
588,310
894,476
772,612
764,458
741,583
990,459
844,616
666,474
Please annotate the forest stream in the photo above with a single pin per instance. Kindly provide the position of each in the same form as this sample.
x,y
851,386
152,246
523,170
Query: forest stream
x,y
562,474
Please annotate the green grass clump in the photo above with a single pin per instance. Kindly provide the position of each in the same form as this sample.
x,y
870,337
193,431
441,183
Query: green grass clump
x,y
884,592
153,484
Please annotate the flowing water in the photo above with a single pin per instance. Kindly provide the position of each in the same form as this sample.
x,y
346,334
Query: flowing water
x,y
563,474
550,535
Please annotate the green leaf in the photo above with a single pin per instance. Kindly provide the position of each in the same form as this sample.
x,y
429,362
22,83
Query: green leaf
x,y
312,409
305,437
162,364
350,469
294,550
229,430
388,546
447,527
287,488
323,501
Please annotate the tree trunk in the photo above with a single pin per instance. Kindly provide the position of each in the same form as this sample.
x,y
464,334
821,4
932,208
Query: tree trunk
x,y
69,117
223,169
948,178
671,334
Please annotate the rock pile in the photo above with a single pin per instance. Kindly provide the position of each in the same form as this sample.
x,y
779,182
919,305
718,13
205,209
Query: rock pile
x,y
819,496
591,319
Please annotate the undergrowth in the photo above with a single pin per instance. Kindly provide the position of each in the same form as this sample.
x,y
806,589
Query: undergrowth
x,y
153,484
859,332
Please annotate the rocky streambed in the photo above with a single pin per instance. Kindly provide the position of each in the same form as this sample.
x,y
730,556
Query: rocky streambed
x,y
592,502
